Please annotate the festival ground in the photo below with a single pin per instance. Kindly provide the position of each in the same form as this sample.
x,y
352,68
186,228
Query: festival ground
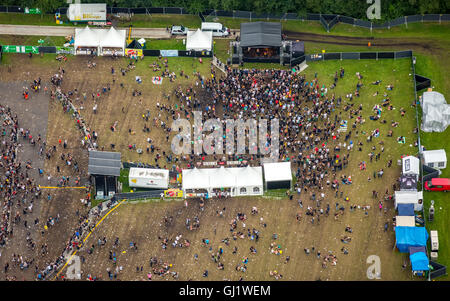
x,y
141,222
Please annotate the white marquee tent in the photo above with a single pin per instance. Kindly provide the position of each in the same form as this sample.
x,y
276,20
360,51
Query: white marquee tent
x,y
436,112
435,158
99,40
86,40
113,42
277,175
411,166
237,181
409,197
199,40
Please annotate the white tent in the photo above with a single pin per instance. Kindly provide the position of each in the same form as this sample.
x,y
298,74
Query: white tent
x,y
411,166
221,178
199,40
435,158
277,175
103,41
405,221
249,180
148,178
112,42
436,112
236,181
194,179
409,197
86,40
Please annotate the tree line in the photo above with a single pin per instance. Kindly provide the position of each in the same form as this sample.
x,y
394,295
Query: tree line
x,y
390,9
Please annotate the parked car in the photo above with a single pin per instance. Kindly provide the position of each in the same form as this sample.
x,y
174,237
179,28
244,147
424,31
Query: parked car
x,y
179,30
438,184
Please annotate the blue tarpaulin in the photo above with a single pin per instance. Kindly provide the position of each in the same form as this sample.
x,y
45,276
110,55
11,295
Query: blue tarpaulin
x,y
406,237
405,209
419,261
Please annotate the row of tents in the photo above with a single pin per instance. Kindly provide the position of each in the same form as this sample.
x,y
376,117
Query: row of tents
x,y
409,238
100,41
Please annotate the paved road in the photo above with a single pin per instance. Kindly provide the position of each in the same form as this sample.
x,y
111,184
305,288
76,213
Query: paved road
x,y
62,31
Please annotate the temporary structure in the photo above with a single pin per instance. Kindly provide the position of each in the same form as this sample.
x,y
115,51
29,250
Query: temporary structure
x,y
436,112
235,181
405,221
249,180
411,166
408,182
409,197
84,12
99,41
113,42
148,178
104,169
405,209
418,258
199,40
86,41
406,237
277,175
435,158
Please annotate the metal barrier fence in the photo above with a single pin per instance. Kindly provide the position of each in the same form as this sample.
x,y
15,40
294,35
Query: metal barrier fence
x,y
328,25
137,195
183,53
422,82
357,56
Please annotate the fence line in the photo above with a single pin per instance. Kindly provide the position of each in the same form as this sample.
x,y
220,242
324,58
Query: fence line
x,y
354,56
236,14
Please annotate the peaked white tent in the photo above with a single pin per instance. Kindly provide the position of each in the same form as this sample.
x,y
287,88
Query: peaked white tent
x,y
411,166
99,40
249,180
435,158
86,41
277,175
199,40
236,181
436,112
113,42
409,197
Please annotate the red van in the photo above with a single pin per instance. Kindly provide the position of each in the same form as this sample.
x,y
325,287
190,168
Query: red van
x,y
438,184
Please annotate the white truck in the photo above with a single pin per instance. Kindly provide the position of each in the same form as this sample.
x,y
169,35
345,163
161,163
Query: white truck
x,y
218,30
92,12
148,178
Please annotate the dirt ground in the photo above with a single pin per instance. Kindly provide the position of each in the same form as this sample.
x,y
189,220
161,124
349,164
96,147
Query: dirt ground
x,y
143,222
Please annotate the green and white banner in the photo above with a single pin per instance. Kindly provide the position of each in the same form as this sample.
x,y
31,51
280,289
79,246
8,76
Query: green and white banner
x,y
20,49
33,11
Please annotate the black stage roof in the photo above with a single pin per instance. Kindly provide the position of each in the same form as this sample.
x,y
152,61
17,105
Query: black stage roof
x,y
104,163
260,34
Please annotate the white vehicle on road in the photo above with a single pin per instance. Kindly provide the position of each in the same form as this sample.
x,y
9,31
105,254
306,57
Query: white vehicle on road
x,y
179,30
218,30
